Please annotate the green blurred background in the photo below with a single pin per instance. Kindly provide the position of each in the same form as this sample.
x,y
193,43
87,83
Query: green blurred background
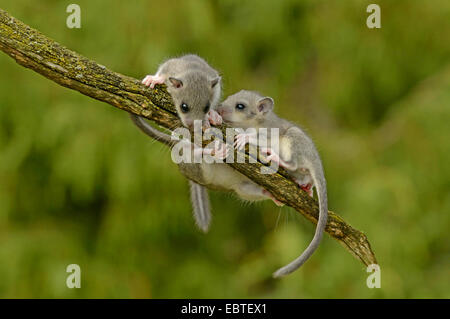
x,y
80,184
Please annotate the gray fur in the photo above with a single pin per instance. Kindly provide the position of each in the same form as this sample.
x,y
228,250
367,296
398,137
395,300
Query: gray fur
x,y
297,150
201,86
251,116
306,156
200,205
217,176
191,80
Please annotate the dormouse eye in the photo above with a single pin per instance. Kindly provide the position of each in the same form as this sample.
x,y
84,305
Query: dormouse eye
x,y
240,106
184,108
206,108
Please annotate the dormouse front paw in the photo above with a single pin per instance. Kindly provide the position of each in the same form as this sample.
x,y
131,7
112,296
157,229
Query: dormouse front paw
x,y
152,80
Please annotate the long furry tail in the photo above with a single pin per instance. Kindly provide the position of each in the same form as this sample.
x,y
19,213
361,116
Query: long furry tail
x,y
320,183
200,206
150,130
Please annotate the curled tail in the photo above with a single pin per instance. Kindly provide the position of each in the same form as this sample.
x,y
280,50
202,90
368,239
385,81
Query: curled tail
x,y
318,177
200,206
150,130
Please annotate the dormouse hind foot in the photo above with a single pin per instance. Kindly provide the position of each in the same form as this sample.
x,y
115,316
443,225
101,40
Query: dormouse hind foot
x,y
152,80
306,187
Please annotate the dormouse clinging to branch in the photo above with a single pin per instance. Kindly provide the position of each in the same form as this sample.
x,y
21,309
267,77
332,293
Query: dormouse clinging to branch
x,y
297,154
195,88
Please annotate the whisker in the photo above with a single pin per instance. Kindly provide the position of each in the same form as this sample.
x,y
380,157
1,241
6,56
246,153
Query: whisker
x,y
278,219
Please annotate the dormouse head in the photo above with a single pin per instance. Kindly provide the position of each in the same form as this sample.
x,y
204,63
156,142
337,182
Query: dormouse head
x,y
245,109
194,94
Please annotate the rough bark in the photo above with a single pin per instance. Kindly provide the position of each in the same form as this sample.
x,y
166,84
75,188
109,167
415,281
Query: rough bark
x,y
37,52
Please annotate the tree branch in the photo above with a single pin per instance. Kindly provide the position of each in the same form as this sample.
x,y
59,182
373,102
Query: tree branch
x,y
35,51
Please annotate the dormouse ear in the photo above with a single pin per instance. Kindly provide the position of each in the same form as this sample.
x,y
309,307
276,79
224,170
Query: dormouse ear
x,y
215,81
176,82
265,105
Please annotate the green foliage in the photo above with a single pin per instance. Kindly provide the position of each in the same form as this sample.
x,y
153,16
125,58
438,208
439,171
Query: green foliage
x,y
80,184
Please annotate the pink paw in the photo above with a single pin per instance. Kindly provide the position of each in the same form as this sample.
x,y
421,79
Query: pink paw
x,y
307,188
152,80
214,117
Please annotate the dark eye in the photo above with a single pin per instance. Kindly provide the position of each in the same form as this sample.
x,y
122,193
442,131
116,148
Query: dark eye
x,y
184,108
240,106
206,108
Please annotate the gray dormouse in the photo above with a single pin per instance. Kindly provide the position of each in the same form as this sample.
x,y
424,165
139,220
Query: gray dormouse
x,y
195,88
297,154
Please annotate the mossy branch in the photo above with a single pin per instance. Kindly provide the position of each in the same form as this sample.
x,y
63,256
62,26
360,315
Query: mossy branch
x,y
35,51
